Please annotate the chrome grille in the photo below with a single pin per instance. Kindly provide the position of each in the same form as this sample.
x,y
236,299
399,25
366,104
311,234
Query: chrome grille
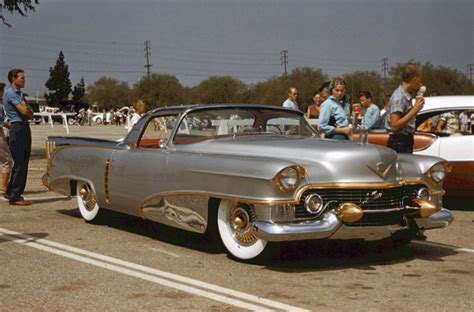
x,y
367,199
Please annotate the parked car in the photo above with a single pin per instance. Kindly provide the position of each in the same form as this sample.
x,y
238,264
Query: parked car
x,y
457,148
254,173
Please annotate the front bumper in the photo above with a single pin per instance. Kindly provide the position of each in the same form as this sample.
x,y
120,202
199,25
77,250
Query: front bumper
x,y
329,226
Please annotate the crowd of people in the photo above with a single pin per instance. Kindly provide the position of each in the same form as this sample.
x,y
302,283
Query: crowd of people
x,y
336,120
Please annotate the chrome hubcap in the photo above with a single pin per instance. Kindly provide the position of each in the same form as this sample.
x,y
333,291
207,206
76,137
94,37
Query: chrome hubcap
x,y
241,218
88,196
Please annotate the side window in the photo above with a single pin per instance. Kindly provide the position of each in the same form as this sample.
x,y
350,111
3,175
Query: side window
x,y
158,130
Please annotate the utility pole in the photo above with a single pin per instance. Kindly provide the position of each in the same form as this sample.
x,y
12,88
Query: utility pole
x,y
384,71
147,55
284,59
470,69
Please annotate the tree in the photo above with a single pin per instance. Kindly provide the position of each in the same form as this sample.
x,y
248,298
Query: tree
x,y
275,91
109,93
159,90
224,89
58,81
79,90
16,6
439,80
364,81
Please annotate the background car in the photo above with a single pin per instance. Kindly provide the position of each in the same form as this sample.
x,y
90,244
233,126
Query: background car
x,y
457,147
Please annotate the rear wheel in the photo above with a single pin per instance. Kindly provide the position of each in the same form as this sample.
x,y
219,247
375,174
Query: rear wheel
x,y
87,201
234,222
98,121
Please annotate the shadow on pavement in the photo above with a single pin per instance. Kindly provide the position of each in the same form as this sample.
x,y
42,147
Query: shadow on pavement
x,y
153,230
284,257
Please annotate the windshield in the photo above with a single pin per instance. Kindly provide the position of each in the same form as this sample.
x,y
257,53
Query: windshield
x,y
215,123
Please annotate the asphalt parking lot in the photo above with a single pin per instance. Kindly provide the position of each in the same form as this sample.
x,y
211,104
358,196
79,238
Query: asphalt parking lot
x,y
50,259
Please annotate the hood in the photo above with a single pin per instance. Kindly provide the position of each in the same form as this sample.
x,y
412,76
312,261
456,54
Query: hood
x,y
323,160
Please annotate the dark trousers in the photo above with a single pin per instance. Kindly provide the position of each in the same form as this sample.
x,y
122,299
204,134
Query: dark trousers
x,y
20,148
401,142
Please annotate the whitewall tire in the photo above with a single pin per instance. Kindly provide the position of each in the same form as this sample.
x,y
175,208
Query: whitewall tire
x,y
235,230
87,201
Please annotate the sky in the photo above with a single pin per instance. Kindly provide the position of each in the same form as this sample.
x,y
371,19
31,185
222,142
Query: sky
x,y
195,39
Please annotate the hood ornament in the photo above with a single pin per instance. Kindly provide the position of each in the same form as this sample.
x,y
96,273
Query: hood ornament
x,y
380,169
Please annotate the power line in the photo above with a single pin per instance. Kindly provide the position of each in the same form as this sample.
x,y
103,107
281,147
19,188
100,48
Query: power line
x,y
470,69
284,59
147,55
384,71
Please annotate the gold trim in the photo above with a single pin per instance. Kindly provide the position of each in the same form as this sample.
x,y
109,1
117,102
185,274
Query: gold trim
x,y
106,181
300,171
379,170
295,200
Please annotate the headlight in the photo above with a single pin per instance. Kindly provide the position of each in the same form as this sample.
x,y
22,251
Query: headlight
x,y
313,204
288,179
423,193
437,173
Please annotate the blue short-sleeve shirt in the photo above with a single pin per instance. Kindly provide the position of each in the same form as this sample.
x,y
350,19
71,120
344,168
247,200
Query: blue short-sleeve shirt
x,y
400,102
371,117
11,99
333,115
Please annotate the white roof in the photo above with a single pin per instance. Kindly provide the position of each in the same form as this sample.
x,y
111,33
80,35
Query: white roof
x,y
454,102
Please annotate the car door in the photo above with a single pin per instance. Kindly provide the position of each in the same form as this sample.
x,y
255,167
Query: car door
x,y
136,172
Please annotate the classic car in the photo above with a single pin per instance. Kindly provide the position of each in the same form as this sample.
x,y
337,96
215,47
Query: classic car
x,y
456,148
253,173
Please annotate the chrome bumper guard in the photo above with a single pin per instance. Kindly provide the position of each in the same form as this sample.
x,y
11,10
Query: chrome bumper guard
x,y
330,227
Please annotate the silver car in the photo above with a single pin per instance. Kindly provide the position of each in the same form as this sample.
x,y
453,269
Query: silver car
x,y
255,174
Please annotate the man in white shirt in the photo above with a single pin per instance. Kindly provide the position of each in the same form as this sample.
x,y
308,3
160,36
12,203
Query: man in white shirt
x,y
291,101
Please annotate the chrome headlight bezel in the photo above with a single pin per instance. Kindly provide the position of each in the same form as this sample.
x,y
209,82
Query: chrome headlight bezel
x,y
288,179
437,173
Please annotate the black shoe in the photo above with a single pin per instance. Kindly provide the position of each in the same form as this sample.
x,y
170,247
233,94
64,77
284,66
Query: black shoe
x,y
420,236
6,196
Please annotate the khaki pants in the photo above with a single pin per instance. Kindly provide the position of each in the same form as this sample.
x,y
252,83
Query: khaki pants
x,y
5,155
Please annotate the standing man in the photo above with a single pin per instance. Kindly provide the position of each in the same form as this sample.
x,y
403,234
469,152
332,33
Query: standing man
x,y
401,118
291,100
371,119
18,113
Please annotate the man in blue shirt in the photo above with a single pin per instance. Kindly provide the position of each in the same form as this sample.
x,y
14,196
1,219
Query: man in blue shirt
x,y
18,113
401,114
371,111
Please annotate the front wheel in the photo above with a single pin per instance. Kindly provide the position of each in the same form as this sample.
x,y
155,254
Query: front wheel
x,y
234,222
87,201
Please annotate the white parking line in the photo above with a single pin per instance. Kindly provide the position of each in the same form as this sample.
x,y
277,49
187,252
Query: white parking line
x,y
178,282
165,252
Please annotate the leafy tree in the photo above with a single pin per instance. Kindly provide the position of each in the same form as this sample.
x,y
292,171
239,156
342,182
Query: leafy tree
x,y
79,90
364,81
223,89
109,93
58,83
439,80
275,91
16,6
159,90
